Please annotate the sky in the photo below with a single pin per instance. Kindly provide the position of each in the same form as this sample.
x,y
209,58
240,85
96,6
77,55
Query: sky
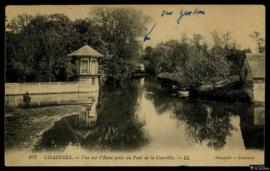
x,y
240,20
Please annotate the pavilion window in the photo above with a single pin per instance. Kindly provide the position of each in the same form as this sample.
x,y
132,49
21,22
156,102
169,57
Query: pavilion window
x,y
94,66
84,66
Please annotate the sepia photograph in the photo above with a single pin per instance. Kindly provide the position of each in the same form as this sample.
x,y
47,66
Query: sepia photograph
x,y
134,85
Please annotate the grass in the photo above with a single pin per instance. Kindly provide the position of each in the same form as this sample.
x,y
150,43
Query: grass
x,y
24,126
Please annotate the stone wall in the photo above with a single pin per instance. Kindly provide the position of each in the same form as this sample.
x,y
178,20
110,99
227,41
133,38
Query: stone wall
x,y
259,91
52,92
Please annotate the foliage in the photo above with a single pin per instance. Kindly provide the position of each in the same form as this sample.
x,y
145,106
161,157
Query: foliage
x,y
37,46
259,40
37,49
119,28
194,59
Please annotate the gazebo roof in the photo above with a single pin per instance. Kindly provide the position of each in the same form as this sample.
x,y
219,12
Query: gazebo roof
x,y
86,50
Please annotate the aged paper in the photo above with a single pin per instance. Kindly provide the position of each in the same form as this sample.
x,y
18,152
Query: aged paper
x,y
134,85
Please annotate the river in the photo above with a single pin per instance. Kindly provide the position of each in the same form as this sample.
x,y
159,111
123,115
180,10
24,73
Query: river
x,y
143,118
141,115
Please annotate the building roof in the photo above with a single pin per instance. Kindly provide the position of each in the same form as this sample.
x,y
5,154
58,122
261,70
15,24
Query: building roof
x,y
86,50
256,63
176,77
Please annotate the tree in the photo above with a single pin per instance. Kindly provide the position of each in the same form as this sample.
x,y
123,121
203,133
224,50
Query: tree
x,y
259,40
227,40
19,49
39,45
205,65
152,58
120,28
20,22
223,42
170,56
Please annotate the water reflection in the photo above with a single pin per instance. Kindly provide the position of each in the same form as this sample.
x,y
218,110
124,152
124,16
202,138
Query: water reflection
x,y
205,123
161,98
70,130
116,125
252,126
211,122
140,115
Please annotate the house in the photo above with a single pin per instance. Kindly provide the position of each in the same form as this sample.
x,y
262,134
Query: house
x,y
252,75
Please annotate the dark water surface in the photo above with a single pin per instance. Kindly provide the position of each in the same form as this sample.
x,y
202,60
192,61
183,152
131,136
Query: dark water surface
x,y
142,116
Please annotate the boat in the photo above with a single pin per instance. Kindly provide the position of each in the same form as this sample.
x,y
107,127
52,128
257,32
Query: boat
x,y
183,93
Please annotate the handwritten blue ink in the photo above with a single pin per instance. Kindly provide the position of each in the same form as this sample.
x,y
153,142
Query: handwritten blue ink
x,y
198,11
183,13
147,36
164,12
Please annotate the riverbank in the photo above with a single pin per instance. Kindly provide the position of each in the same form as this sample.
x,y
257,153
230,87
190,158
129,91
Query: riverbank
x,y
23,127
231,93
225,90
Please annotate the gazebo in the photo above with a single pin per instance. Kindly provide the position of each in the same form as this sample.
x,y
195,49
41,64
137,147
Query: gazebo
x,y
85,60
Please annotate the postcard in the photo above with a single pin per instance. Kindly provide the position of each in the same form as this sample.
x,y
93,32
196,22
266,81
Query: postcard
x,y
134,85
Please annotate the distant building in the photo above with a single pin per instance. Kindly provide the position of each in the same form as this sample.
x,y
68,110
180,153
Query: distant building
x,y
140,67
86,62
252,75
